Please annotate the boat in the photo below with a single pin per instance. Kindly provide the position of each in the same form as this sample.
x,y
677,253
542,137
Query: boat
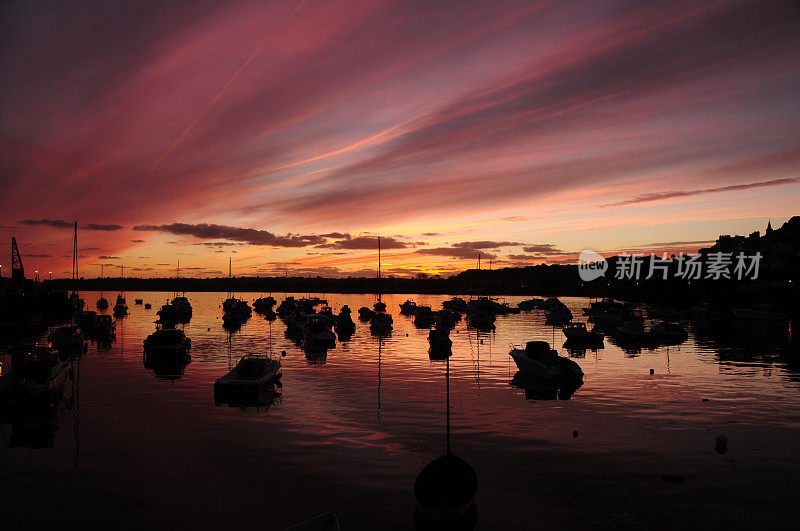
x,y
445,488
440,344
40,371
317,333
424,317
577,332
121,306
167,341
167,315
183,308
365,314
235,311
75,301
66,339
264,304
556,311
85,321
539,360
102,302
147,306
344,321
138,302
408,307
545,389
456,304
249,374
530,304
380,322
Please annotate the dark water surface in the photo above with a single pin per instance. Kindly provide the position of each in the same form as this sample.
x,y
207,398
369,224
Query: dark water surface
x,y
131,449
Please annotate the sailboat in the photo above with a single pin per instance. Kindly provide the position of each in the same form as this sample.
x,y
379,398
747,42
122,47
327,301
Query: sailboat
x,y
102,302
445,488
235,311
380,322
67,339
75,300
121,306
183,309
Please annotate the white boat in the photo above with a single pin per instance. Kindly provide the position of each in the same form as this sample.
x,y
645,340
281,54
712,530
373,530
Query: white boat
x,y
250,373
538,359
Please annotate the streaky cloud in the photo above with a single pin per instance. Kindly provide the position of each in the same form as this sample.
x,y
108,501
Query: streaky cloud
x,y
659,196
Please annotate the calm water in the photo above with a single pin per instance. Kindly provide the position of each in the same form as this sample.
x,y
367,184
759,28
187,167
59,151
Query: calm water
x,y
352,430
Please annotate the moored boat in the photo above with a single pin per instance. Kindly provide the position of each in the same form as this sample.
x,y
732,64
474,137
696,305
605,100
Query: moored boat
x,y
539,360
249,374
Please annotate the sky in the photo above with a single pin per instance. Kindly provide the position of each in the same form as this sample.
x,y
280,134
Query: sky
x,y
287,135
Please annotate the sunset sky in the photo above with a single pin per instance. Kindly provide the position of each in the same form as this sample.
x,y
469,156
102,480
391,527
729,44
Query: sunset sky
x,y
288,134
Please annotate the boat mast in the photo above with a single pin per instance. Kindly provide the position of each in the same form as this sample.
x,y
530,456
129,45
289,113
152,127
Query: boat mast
x,y
379,269
230,279
101,281
75,261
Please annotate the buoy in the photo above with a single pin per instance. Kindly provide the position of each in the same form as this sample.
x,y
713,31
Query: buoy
x,y
652,371
575,434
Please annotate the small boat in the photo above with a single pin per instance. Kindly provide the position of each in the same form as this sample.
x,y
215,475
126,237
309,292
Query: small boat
x,y
263,304
316,332
167,341
424,317
440,344
167,315
40,370
530,304
344,321
138,302
183,308
365,314
66,339
121,306
539,360
147,306
408,307
577,332
380,322
481,320
456,304
249,374
85,321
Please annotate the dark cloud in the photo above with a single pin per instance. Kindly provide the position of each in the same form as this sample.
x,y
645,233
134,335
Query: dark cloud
x,y
107,228
658,196
364,242
485,244
104,257
38,256
219,244
430,234
455,252
137,241
61,224
543,248
241,234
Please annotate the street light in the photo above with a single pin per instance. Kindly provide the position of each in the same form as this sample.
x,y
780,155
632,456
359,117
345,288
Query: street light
x,y
51,275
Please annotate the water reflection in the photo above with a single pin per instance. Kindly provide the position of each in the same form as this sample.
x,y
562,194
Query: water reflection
x,y
368,411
